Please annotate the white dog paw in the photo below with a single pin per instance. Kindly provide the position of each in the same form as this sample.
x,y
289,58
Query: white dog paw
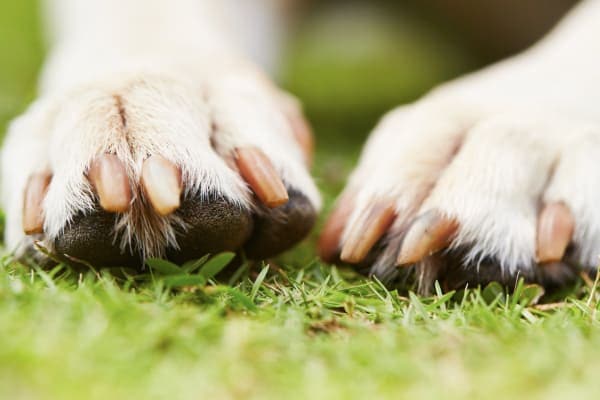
x,y
159,165
471,196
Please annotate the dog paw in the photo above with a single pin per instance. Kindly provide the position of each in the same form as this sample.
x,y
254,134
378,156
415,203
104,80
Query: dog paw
x,y
158,165
465,195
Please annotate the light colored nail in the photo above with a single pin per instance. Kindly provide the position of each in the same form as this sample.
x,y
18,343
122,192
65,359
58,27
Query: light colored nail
x,y
367,231
304,136
329,240
258,171
33,214
430,233
161,180
555,230
108,177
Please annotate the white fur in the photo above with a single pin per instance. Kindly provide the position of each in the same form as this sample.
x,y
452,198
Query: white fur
x,y
138,78
488,148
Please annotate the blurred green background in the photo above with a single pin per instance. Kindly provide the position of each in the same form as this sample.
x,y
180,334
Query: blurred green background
x,y
21,54
348,62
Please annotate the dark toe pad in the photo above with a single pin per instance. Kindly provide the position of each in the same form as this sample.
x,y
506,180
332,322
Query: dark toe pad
x,y
278,229
90,237
214,225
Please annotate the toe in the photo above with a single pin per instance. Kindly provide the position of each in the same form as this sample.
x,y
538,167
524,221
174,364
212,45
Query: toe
x,y
269,149
573,185
400,165
494,194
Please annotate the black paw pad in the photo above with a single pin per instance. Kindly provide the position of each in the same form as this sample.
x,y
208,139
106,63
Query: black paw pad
x,y
214,225
91,238
278,229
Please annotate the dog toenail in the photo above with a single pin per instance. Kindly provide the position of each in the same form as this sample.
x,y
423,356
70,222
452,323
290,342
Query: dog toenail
x,y
367,231
258,171
35,191
108,177
555,230
161,180
431,232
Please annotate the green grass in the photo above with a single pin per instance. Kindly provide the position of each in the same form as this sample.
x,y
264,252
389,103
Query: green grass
x,y
311,332
297,328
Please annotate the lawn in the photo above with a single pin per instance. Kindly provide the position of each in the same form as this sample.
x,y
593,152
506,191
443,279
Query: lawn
x,y
292,327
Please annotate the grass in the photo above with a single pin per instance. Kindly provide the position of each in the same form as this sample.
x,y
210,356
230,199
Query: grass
x,y
287,332
292,327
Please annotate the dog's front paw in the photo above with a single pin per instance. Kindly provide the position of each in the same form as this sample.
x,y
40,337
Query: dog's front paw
x,y
470,197
160,165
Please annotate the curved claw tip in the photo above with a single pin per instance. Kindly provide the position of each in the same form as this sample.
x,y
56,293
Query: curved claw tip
x,y
108,176
33,213
431,232
367,231
555,230
258,171
161,180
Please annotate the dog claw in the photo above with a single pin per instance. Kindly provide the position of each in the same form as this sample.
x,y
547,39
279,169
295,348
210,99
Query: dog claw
x,y
33,215
258,171
161,180
555,230
108,177
329,241
365,233
430,233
